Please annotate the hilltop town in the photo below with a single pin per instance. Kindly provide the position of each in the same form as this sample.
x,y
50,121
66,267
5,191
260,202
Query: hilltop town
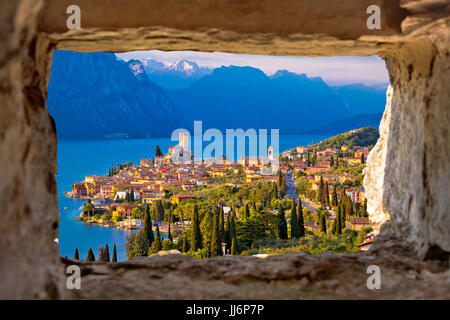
x,y
327,177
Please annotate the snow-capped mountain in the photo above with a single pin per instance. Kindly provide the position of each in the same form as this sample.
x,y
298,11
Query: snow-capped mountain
x,y
177,75
93,95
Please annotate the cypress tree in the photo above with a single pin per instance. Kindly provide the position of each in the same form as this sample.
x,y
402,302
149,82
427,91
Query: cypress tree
x,y
222,224
196,236
227,238
147,227
233,247
158,153
232,228
90,255
106,253
275,191
323,223
334,200
156,247
326,195
295,232
339,221
246,211
320,192
362,158
283,188
215,239
169,234
185,247
301,224
76,256
365,208
331,162
114,255
343,218
282,224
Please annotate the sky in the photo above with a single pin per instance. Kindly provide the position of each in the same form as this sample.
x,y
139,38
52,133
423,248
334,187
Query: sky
x,y
333,70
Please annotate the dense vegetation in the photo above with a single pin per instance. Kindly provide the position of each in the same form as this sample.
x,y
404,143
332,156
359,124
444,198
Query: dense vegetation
x,y
364,137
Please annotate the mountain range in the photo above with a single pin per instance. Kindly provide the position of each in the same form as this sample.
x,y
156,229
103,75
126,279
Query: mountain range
x,y
178,75
245,97
95,95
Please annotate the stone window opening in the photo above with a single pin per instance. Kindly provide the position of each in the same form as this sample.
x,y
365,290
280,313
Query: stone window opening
x,y
406,178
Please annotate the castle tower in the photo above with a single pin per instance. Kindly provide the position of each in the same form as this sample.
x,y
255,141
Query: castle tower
x,y
183,139
270,153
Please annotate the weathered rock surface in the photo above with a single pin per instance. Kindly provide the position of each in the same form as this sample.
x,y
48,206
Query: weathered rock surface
x,y
407,175
291,276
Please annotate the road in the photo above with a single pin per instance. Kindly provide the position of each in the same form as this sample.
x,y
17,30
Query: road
x,y
290,183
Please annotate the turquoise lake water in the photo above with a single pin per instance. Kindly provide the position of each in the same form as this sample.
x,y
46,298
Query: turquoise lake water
x,y
80,158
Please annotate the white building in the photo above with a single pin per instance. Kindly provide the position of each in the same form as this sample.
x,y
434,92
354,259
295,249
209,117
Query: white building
x,y
184,142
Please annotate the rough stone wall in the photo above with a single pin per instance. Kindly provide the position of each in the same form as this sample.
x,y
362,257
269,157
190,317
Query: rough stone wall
x,y
29,263
408,171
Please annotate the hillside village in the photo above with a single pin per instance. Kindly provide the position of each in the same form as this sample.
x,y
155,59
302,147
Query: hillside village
x,y
319,175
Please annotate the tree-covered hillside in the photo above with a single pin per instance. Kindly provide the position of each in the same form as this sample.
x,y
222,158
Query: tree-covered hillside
x,y
363,137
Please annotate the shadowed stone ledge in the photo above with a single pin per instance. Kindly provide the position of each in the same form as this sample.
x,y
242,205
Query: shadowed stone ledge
x,y
289,276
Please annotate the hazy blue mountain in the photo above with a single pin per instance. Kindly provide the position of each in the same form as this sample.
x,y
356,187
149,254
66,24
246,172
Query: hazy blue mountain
x,y
93,95
350,123
360,98
179,75
245,97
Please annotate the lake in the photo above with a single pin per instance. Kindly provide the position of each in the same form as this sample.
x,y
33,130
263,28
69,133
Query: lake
x,y
80,158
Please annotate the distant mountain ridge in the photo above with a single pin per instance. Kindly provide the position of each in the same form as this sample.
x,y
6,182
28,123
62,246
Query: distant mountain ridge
x,y
93,95
350,123
360,98
178,75
247,98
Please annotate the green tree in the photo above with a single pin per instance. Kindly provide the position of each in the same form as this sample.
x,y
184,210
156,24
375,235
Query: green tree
x,y
339,221
326,196
157,245
148,226
282,225
141,244
301,223
362,158
185,247
320,192
76,256
106,253
323,223
90,255
196,236
246,211
215,239
114,255
233,247
158,153
334,200
227,238
295,232
169,234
